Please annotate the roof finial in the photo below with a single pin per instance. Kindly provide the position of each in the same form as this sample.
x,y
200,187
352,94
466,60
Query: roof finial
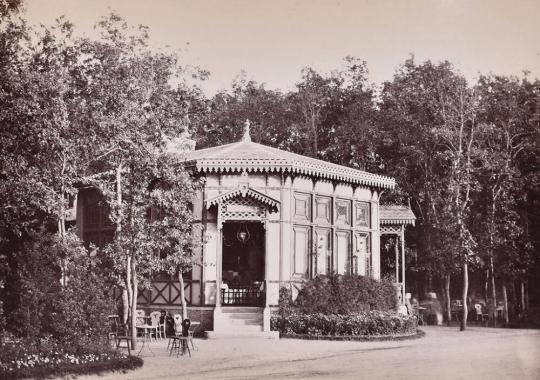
x,y
246,136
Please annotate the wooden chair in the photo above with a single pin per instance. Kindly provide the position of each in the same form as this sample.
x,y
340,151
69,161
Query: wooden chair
x,y
480,315
177,318
178,341
123,336
114,323
191,331
155,317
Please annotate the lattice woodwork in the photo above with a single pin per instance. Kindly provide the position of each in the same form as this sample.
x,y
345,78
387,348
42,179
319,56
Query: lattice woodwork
x,y
240,208
390,230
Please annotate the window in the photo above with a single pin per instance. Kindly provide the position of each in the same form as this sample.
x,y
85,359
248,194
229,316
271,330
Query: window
x,y
362,256
363,218
343,251
343,212
323,249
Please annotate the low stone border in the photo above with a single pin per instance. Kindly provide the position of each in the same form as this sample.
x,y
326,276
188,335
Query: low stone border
x,y
358,338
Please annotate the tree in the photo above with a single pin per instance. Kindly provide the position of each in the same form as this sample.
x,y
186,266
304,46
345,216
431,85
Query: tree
x,y
131,110
506,134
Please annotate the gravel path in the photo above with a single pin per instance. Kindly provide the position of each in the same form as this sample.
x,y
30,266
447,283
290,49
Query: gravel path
x,y
444,353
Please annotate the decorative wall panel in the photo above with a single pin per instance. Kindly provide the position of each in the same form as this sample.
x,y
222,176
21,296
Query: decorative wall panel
x,y
343,212
323,210
301,249
302,207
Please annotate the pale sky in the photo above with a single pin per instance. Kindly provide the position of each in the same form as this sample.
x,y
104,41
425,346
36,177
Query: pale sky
x,y
273,40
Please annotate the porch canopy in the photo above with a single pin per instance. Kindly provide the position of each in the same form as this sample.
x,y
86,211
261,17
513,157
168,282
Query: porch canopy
x,y
393,219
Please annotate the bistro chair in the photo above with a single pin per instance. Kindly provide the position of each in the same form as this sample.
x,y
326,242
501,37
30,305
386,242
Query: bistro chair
x,y
147,330
177,319
155,320
191,331
179,342
114,323
141,317
123,336
480,315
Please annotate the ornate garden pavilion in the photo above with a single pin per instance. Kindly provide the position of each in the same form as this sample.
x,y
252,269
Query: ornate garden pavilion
x,y
269,218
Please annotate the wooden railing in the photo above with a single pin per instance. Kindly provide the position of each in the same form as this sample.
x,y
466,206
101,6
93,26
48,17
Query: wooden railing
x,y
244,295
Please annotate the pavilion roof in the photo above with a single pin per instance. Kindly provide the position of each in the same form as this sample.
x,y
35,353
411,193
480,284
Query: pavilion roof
x,y
249,156
396,214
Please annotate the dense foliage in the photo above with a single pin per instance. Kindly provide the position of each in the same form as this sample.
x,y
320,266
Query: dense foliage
x,y
345,294
341,305
367,323
54,326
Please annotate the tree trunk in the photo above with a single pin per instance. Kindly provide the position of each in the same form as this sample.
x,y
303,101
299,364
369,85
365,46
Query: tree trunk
x,y
493,288
182,294
126,290
522,288
505,301
486,286
125,303
463,324
129,288
134,304
447,300
526,295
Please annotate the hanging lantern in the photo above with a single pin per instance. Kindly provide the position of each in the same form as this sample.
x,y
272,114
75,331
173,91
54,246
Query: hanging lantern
x,y
243,234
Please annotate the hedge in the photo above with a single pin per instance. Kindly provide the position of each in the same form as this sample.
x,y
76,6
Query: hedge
x,y
343,294
369,323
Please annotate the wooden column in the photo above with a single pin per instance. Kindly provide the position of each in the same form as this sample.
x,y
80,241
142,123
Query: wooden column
x,y
396,251
219,259
266,269
403,264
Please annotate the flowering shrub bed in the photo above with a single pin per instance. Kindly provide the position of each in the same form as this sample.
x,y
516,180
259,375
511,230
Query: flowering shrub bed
x,y
369,323
20,359
344,294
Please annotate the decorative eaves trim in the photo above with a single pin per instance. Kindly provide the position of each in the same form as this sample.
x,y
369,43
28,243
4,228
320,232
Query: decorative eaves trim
x,y
330,172
271,203
397,221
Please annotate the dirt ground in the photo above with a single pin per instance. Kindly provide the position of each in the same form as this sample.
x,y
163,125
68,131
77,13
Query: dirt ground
x,y
444,353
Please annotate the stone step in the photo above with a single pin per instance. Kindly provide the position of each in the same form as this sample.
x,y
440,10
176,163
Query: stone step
x,y
242,334
241,310
242,316
233,329
239,322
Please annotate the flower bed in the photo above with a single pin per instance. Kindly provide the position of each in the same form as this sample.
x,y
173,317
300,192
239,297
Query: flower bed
x,y
369,323
18,361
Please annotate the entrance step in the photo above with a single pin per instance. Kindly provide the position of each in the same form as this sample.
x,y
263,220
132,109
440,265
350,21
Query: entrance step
x,y
242,334
237,320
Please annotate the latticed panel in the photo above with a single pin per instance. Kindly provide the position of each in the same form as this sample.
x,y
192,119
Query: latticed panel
x,y
390,230
143,297
240,208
